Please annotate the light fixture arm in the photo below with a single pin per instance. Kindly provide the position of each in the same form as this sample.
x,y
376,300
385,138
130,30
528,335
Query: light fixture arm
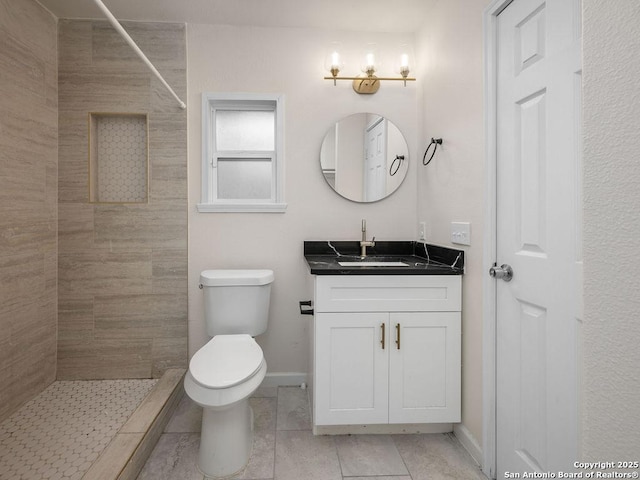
x,y
369,84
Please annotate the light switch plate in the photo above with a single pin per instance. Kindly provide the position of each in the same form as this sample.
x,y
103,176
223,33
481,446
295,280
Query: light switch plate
x,y
461,233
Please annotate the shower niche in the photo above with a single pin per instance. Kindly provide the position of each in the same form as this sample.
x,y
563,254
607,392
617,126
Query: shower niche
x,y
118,158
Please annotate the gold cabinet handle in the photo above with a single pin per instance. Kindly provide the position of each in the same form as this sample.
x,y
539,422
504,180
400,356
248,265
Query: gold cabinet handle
x,y
398,335
382,341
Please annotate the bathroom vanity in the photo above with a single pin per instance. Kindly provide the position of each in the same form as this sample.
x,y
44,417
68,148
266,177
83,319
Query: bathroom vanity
x,y
386,337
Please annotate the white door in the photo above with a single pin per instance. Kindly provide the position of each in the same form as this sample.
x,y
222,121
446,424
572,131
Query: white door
x,y
424,367
538,127
375,164
352,368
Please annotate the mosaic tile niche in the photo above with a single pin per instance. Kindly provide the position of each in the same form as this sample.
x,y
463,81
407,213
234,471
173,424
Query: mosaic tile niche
x,y
118,158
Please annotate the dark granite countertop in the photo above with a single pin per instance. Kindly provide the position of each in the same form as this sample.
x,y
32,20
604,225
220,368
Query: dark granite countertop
x,y
323,257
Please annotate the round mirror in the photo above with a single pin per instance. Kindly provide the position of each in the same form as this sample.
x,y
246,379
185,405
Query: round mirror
x,y
364,157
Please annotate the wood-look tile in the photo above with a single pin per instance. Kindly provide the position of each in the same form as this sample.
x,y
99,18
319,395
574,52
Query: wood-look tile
x,y
104,273
161,100
133,225
75,227
163,43
103,91
101,359
135,254
22,68
25,231
74,44
19,276
169,270
28,162
73,174
22,118
32,24
22,184
168,191
73,131
140,316
75,319
168,132
169,353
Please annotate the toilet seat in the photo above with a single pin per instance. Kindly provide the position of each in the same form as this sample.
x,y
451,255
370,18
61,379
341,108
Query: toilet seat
x,y
226,361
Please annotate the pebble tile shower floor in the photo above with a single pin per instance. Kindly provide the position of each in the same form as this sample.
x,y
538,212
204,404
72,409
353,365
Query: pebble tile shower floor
x,y
61,432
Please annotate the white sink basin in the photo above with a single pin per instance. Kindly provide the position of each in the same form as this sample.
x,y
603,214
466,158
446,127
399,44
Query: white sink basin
x,y
373,264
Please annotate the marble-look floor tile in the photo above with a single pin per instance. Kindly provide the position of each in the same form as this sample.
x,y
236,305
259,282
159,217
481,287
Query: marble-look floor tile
x,y
364,455
301,455
174,457
264,414
265,392
378,477
187,418
436,457
293,409
262,461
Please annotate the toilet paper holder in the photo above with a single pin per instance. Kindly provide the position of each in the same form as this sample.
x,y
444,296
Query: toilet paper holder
x,y
306,307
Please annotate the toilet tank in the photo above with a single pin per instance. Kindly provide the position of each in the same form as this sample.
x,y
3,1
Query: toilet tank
x,y
236,301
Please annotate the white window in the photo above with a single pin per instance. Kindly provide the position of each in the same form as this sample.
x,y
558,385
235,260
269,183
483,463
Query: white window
x,y
242,153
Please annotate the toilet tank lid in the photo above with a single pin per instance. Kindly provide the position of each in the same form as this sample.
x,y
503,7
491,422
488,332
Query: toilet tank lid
x,y
219,278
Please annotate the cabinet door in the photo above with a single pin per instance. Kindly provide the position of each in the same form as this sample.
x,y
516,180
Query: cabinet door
x,y
351,368
424,372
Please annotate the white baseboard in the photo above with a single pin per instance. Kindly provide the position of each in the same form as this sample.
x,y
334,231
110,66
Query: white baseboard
x,y
284,379
468,442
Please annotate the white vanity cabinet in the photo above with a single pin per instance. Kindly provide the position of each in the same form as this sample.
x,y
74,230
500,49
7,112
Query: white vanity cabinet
x,y
386,349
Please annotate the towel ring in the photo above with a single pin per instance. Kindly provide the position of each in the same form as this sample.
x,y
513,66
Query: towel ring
x,y
435,142
399,159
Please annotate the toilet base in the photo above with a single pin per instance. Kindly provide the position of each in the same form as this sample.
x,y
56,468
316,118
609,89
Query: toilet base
x,y
226,440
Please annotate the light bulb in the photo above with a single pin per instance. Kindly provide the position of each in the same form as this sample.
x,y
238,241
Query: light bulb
x,y
369,58
403,60
333,60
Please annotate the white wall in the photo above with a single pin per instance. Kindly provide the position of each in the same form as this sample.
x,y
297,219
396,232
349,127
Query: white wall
x,y
289,61
611,332
451,187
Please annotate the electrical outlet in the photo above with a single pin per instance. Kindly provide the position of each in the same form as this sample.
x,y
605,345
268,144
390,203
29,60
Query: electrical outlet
x,y
461,233
422,231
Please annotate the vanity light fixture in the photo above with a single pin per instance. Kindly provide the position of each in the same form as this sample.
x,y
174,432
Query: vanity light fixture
x,y
369,83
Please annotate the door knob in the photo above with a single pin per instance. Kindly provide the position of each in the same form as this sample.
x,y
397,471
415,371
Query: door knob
x,y
504,272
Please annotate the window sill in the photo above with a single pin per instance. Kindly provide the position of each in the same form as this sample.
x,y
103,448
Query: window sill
x,y
241,208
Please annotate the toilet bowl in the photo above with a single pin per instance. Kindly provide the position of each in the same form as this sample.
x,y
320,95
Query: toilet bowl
x,y
222,376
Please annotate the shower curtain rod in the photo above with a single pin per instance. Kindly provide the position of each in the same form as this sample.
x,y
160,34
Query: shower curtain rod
x,y
136,49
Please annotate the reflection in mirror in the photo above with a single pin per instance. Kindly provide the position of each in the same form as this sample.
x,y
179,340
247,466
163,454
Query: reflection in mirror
x,y
364,157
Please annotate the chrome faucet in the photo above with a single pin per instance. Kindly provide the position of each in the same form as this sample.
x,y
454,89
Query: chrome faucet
x,y
364,243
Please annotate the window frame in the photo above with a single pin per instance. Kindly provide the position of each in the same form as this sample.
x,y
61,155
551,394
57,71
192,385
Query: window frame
x,y
241,101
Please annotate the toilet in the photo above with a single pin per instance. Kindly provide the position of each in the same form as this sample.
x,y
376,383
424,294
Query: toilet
x,y
225,372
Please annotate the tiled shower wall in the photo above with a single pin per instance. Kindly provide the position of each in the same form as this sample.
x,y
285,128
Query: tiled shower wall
x,y
28,193
122,268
